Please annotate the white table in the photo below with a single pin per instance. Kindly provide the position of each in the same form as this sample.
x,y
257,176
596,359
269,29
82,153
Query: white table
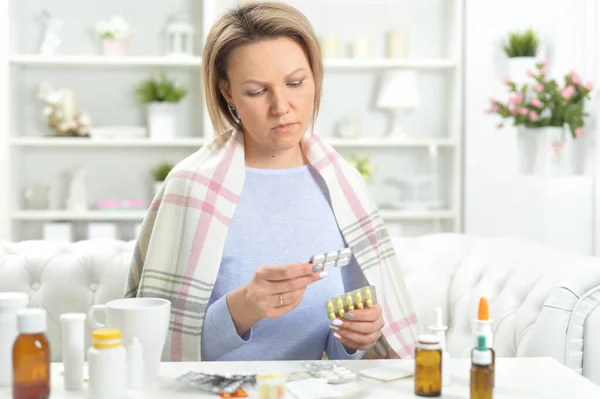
x,y
515,378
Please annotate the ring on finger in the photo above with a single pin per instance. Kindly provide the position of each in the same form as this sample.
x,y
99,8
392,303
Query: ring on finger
x,y
280,299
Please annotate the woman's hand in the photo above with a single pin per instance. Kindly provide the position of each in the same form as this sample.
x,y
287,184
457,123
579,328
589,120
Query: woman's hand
x,y
359,329
276,290
272,292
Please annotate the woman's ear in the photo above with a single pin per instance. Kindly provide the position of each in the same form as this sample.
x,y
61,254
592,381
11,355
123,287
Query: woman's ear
x,y
225,91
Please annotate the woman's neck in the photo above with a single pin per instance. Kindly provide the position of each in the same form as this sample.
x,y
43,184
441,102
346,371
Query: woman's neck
x,y
262,158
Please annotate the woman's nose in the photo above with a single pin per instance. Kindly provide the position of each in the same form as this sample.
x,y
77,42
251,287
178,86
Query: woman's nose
x,y
280,104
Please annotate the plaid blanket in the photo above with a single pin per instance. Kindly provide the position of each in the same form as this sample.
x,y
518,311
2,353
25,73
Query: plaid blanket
x,y
179,249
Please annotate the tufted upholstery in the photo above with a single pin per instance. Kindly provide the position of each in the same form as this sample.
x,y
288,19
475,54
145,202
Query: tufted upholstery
x,y
544,302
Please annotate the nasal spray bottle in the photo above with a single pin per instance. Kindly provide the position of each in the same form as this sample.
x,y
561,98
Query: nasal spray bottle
x,y
439,329
483,327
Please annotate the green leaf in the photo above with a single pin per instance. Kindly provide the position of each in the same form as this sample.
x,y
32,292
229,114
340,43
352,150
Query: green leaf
x,y
159,89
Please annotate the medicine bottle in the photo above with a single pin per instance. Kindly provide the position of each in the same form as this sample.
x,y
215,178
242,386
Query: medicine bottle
x,y
482,371
107,365
31,356
428,366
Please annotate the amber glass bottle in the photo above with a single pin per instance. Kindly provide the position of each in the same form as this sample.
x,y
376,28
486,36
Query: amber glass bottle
x,y
482,371
428,366
31,356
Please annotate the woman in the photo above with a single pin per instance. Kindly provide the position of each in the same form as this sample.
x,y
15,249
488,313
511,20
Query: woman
x,y
229,238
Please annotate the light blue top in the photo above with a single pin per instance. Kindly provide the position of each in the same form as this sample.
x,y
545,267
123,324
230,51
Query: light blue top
x,y
283,216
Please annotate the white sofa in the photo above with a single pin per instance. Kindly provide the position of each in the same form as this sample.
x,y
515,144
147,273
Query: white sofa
x,y
543,301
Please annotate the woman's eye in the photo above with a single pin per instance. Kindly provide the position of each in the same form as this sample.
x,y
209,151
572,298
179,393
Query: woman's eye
x,y
296,84
255,93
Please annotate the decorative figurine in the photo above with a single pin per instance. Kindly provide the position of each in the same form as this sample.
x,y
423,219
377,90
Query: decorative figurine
x,y
50,40
77,199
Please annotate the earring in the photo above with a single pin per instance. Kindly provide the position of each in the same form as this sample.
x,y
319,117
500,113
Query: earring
x,y
234,113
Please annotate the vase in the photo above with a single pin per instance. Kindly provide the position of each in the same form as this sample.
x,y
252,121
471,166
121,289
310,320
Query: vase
x,y
162,121
115,47
518,67
546,151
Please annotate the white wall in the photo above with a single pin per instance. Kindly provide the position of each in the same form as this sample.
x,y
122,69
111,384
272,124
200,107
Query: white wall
x,y
498,201
4,153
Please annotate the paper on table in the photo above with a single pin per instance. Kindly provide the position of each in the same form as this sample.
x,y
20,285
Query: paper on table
x,y
318,388
391,372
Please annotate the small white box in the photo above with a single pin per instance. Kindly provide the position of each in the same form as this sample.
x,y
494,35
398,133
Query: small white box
x,y
102,231
58,232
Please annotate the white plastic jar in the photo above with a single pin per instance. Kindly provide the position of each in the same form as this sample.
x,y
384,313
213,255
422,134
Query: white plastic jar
x,y
107,363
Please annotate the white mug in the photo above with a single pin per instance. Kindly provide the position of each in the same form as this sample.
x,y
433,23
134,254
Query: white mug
x,y
145,318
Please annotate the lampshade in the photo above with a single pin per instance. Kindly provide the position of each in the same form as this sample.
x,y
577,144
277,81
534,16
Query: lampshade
x,y
399,89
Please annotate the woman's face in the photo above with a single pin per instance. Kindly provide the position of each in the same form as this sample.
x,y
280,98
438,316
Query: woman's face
x,y
272,88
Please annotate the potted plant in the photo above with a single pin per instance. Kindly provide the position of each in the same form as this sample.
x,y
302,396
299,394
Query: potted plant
x,y
115,35
364,166
549,117
521,49
160,96
159,174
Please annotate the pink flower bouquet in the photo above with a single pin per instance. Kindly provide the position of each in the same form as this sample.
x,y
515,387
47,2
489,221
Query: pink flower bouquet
x,y
544,103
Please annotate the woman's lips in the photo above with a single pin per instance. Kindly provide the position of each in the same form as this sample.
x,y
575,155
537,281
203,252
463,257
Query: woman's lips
x,y
284,128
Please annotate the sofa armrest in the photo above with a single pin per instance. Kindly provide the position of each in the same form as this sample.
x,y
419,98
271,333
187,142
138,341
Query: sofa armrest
x,y
568,326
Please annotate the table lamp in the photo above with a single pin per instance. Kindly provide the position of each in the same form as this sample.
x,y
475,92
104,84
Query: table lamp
x,y
399,92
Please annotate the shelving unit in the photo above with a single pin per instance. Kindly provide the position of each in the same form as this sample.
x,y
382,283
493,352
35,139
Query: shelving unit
x,y
358,143
32,157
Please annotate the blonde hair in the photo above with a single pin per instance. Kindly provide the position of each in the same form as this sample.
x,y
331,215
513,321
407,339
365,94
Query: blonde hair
x,y
251,23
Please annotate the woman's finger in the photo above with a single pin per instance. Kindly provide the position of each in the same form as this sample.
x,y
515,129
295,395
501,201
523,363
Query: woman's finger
x,y
362,327
358,341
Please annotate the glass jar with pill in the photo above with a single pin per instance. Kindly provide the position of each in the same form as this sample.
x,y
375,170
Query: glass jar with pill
x,y
428,366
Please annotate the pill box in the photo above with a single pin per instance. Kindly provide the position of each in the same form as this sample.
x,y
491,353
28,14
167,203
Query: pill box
x,y
365,297
332,259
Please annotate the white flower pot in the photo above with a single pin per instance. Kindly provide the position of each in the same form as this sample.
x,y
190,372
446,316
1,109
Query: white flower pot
x,y
162,122
518,67
115,47
546,151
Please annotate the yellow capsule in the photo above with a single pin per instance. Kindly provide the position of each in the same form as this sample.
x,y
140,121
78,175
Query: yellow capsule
x,y
330,307
332,315
359,301
368,293
349,302
369,303
341,312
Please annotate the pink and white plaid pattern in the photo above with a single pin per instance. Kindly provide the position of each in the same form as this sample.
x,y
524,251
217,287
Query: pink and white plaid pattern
x,y
179,249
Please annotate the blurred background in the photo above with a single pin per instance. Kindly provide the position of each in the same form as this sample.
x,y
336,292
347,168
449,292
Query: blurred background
x,y
464,116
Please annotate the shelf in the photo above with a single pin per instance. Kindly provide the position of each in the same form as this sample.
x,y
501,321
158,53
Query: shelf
x,y
193,61
86,142
92,215
138,215
100,60
385,63
198,142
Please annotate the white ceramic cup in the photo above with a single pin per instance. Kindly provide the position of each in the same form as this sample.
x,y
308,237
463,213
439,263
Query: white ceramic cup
x,y
145,318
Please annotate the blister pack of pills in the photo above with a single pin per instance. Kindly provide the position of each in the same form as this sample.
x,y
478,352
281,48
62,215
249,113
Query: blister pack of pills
x,y
332,259
217,383
365,297
331,371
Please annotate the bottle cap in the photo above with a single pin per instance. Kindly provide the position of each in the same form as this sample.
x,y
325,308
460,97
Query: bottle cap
x,y
428,341
483,312
437,320
31,321
135,363
105,338
481,355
